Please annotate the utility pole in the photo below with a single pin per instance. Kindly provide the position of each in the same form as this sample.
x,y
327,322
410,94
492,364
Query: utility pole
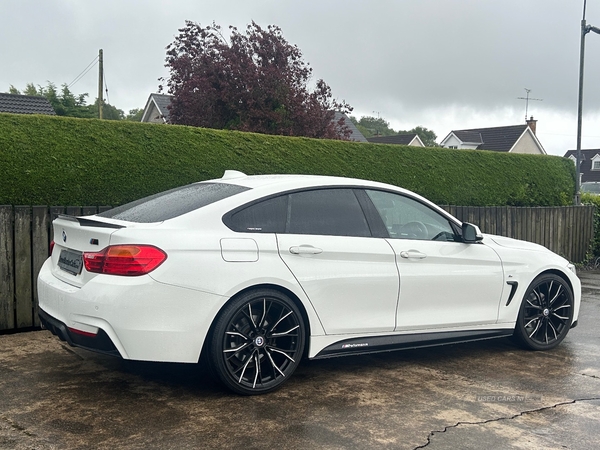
x,y
585,29
100,83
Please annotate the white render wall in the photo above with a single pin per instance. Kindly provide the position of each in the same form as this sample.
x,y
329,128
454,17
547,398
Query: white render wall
x,y
526,144
453,141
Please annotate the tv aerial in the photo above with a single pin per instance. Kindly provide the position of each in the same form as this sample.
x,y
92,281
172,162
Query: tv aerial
x,y
527,101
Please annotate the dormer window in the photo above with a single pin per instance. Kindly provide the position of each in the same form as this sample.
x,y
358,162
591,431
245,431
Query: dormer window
x,y
596,162
574,159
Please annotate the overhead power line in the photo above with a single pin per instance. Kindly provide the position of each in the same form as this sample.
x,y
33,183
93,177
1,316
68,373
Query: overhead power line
x,y
83,72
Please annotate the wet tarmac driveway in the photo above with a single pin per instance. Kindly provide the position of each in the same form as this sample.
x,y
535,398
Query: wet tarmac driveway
x,y
487,394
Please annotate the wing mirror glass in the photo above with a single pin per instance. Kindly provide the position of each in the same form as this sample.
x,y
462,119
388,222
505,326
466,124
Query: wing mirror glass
x,y
471,233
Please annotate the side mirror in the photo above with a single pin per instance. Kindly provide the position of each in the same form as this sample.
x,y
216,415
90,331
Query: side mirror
x,y
471,233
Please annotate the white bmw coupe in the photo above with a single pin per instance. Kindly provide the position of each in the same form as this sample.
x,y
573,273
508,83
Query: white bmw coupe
x,y
257,272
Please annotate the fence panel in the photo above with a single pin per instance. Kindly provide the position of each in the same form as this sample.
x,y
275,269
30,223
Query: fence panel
x,y
23,272
7,277
40,246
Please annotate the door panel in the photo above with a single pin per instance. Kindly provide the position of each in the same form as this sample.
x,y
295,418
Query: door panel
x,y
352,282
447,284
443,281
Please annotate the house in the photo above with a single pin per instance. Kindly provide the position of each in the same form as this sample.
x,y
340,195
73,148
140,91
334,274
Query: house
x,y
589,169
412,139
355,134
510,139
25,104
157,108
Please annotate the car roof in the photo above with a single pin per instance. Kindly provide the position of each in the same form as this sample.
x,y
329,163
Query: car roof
x,y
291,181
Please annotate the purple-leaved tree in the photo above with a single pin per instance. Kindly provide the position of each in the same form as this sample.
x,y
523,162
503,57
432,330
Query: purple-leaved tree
x,y
255,81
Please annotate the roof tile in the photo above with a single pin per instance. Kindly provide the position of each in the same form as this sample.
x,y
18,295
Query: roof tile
x,y
499,139
25,104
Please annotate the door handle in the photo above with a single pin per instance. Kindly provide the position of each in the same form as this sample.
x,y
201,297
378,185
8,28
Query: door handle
x,y
412,254
305,250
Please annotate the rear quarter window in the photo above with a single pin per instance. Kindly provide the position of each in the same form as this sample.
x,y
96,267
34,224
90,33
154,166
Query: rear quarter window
x,y
173,203
267,216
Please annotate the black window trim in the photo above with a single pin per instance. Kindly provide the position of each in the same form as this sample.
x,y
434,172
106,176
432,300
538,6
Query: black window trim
x,y
374,221
227,217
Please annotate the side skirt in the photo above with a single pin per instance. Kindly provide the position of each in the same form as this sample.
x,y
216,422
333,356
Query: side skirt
x,y
377,344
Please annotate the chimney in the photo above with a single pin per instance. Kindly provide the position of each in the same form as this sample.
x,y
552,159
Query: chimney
x,y
532,124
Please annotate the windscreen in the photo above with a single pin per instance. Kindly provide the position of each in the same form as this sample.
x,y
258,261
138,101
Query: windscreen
x,y
169,204
592,188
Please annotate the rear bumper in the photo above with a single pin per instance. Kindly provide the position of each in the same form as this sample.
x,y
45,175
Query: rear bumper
x,y
135,318
99,342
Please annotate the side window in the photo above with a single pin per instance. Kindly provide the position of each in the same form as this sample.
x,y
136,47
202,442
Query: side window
x,y
268,216
333,212
406,218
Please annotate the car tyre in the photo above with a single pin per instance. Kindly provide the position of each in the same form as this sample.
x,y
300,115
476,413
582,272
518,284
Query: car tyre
x,y
546,313
257,342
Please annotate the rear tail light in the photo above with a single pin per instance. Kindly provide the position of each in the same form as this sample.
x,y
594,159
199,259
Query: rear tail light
x,y
51,248
126,260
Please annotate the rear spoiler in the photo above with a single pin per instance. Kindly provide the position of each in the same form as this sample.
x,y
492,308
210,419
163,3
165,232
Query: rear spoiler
x,y
84,222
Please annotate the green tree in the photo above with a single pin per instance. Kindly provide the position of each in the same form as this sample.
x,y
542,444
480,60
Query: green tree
x,y
30,89
427,136
109,112
135,115
68,104
371,126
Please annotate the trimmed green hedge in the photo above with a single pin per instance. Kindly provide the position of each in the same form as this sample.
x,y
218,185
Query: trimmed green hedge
x,y
66,161
591,199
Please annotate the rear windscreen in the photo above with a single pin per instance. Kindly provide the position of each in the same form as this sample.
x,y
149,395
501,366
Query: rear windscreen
x,y
169,204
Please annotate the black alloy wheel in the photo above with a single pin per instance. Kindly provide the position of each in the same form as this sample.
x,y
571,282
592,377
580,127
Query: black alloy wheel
x,y
546,313
258,341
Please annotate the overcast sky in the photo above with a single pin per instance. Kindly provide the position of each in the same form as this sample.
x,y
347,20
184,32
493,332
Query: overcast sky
x,y
442,64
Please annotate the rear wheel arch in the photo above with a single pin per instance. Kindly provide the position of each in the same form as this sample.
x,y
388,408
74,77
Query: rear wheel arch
x,y
257,341
257,287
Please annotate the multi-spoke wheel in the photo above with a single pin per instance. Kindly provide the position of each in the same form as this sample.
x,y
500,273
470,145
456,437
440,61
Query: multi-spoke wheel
x,y
546,313
257,342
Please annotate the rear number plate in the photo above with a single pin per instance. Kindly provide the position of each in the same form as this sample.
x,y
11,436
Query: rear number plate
x,y
70,261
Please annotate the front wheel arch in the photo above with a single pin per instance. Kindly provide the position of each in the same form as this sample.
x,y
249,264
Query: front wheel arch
x,y
546,312
559,274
